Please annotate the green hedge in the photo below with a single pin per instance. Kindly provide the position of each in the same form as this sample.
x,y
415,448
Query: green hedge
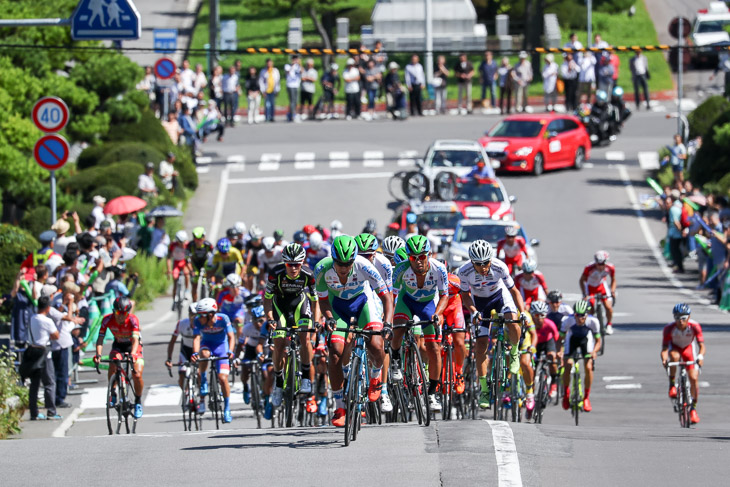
x,y
15,245
712,161
138,152
123,175
148,130
37,220
702,118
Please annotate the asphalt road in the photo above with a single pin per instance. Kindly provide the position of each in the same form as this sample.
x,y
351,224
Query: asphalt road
x,y
632,435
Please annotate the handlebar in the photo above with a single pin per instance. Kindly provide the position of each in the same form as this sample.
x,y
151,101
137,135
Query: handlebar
x,y
411,324
124,360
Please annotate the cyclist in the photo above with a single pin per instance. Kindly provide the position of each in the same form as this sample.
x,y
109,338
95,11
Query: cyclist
x,y
531,283
200,251
249,341
231,301
178,261
347,284
547,339
290,302
251,254
184,330
454,317
580,331
279,239
317,250
227,260
513,247
239,230
594,281
558,310
390,245
127,341
268,257
235,237
488,280
416,282
213,336
682,341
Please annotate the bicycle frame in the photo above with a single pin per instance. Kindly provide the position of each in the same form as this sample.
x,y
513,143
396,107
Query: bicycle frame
x,y
497,376
120,382
215,395
190,398
599,311
414,373
683,401
355,390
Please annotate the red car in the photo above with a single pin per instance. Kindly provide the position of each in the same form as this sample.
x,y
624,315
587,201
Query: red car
x,y
484,198
538,142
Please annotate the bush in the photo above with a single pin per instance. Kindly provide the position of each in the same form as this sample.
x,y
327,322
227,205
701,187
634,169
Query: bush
x,y
37,220
712,161
91,156
148,130
153,279
110,191
703,117
10,413
138,152
15,245
123,175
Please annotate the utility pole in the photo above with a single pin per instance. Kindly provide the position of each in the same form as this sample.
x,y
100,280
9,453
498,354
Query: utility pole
x,y
589,22
429,42
213,32
680,67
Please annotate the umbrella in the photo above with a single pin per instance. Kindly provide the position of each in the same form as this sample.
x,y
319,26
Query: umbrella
x,y
165,211
123,205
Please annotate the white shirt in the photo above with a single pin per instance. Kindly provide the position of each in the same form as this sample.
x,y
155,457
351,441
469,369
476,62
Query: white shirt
x,y
160,243
230,83
549,77
587,69
351,77
146,183
59,246
199,82
415,75
293,75
98,213
569,70
166,172
639,65
309,86
187,77
41,327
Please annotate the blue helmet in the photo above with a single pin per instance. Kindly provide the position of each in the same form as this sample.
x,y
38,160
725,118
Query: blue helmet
x,y
258,312
681,309
601,96
223,245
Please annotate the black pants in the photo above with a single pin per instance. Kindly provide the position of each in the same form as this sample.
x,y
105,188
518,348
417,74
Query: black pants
x,y
229,102
47,376
640,83
505,94
60,365
352,104
571,91
414,100
675,250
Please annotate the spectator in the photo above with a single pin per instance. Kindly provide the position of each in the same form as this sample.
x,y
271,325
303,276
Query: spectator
x,y
549,82
160,240
65,318
488,79
675,232
22,310
187,77
587,75
693,146
172,127
605,74
117,283
231,89
253,95
677,156
144,236
168,174
61,227
440,84
415,81
309,84
269,79
189,131
148,85
351,76
98,210
394,92
639,66
211,121
464,72
522,77
381,59
43,331
331,84
200,81
615,63
146,183
216,85
574,43
293,83
373,77
570,71
599,43
504,80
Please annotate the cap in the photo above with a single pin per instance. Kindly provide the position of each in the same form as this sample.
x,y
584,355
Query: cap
x,y
392,65
61,227
99,200
675,194
105,224
149,165
70,287
523,55
47,237
411,218
549,57
48,290
172,154
334,67
350,62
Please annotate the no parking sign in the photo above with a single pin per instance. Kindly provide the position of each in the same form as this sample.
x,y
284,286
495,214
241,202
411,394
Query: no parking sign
x,y
51,152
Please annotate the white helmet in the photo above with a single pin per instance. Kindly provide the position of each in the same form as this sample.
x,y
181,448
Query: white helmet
x,y
481,251
255,232
207,305
240,227
181,236
232,280
336,225
391,244
193,308
510,230
600,257
315,241
268,243
539,308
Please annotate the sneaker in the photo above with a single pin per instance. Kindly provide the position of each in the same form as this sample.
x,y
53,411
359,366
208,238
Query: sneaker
x,y
306,387
553,391
311,405
672,391
227,417
113,400
138,411
338,420
277,397
40,417
374,389
694,418
204,389
63,405
459,384
322,411
246,395
201,407
268,410
386,405
396,374
435,402
566,399
609,329
530,403
484,402
587,405
56,417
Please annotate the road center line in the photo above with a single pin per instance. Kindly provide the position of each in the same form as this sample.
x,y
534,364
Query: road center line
x,y
314,177
220,203
508,465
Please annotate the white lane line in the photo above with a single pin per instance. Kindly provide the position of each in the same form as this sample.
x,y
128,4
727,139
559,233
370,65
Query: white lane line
x,y
339,159
570,297
237,159
237,167
202,169
163,395
588,165
219,203
407,158
95,398
314,177
162,319
304,160
623,386
269,162
203,160
508,465
648,160
703,384
611,378
246,413
615,155
60,432
373,158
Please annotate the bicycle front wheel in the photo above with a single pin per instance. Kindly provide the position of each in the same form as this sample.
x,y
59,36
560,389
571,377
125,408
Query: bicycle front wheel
x,y
290,389
576,395
447,385
351,400
256,403
497,376
214,404
420,387
113,385
515,396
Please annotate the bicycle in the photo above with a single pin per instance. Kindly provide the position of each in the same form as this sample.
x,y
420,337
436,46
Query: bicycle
x,y
215,396
399,397
257,403
470,398
683,401
292,379
119,391
448,374
190,399
202,289
416,381
498,373
599,311
576,385
542,386
179,301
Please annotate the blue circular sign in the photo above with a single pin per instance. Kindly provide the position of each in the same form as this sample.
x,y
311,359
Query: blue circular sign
x,y
165,68
51,152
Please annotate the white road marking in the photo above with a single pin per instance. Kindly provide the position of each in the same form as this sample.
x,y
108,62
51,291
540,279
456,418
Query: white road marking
x,y
588,165
648,160
238,167
162,319
314,177
246,413
571,297
407,158
203,160
373,158
304,160
508,465
237,159
615,155
202,169
95,398
703,384
611,378
219,203
339,159
269,162
163,395
60,432
623,386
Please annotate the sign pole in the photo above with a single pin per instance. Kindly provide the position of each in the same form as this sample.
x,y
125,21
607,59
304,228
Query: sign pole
x,y
53,196
680,66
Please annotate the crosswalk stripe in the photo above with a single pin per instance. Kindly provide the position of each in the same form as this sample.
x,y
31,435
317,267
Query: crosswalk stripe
x,y
407,158
203,160
163,395
339,160
238,167
623,386
237,159
202,170
649,160
304,160
373,158
269,162
95,397
615,155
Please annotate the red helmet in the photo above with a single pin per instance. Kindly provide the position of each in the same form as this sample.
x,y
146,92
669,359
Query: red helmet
x,y
309,229
454,285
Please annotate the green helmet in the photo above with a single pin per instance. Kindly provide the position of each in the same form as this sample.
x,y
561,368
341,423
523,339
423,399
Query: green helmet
x,y
198,232
418,244
581,307
344,248
367,243
400,255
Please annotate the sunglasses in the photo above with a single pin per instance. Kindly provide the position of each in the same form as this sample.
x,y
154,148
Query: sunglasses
x,y
293,264
682,318
580,315
344,264
367,256
481,264
121,313
419,257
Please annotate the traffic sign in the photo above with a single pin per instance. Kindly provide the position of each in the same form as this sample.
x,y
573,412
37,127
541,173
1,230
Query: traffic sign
x,y
165,40
165,68
50,114
674,27
51,152
115,20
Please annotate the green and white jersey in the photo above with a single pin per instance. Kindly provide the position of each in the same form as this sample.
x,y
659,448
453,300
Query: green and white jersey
x,y
436,281
363,276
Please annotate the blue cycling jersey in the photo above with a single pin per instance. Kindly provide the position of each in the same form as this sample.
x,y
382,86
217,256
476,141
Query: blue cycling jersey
x,y
215,334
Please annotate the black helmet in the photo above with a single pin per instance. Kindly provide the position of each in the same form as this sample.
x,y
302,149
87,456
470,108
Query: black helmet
x,y
122,304
253,300
300,237
370,226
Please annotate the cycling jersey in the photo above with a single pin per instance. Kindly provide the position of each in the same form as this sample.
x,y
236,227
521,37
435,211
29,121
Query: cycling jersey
x,y
314,256
577,336
199,255
548,331
532,286
385,269
184,329
512,252
177,252
291,298
230,263
558,316
215,334
497,279
684,341
123,333
419,301
232,305
595,277
267,262
253,251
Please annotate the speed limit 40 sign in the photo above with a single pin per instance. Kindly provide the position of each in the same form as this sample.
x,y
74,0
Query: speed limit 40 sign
x,y
50,114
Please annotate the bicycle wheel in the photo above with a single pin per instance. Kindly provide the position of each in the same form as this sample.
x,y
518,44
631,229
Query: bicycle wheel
x,y
576,395
180,295
351,400
601,315
124,401
447,385
290,388
421,390
496,377
110,410
213,396
472,384
682,402
543,394
186,406
256,396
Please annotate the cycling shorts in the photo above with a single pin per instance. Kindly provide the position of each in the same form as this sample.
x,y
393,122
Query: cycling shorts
x,y
501,302
408,307
602,288
548,346
218,350
364,308
185,354
179,265
513,263
249,352
688,353
537,294
454,315
294,313
126,347
584,343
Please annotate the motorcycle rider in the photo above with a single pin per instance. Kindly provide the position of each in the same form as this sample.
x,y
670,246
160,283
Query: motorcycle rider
x,y
620,112
601,115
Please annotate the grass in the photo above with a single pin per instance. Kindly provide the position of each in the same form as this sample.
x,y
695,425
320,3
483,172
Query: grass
x,y
10,418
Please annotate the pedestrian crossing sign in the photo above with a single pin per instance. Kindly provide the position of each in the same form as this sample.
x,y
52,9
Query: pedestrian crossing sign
x,y
105,20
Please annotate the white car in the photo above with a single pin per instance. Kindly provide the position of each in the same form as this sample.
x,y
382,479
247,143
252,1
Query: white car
x,y
456,156
709,28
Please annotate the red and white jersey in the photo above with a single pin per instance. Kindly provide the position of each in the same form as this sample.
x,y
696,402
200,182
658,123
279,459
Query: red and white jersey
x,y
525,282
519,246
178,251
124,332
594,276
682,338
